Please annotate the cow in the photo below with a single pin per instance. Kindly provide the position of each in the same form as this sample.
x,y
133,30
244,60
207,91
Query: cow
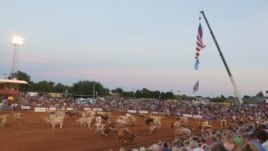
x,y
3,121
54,120
57,113
183,120
148,121
129,119
104,116
90,112
125,136
17,117
183,132
72,113
84,121
176,124
105,129
154,127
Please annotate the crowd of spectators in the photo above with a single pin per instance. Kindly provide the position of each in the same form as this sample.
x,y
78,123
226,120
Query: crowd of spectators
x,y
253,138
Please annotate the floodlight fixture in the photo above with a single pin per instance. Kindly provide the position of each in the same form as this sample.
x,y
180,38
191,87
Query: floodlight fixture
x,y
17,41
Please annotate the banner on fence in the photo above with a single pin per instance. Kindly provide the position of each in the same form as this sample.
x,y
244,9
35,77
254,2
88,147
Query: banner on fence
x,y
197,116
70,109
132,111
97,109
40,109
154,112
178,113
87,108
187,115
25,107
52,109
143,112
208,117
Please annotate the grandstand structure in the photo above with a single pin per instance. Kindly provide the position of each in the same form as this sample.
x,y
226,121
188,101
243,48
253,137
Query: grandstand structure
x,y
9,89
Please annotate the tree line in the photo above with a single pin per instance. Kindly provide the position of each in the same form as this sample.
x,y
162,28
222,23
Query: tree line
x,y
93,88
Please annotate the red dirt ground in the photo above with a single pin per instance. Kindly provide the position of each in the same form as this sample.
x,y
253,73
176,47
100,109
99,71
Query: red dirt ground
x,y
35,135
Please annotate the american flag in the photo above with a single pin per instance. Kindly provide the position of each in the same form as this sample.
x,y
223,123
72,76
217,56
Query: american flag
x,y
199,42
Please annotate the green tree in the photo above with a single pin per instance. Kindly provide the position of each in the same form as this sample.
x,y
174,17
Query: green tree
x,y
22,76
166,95
60,88
246,97
260,94
87,88
118,90
43,86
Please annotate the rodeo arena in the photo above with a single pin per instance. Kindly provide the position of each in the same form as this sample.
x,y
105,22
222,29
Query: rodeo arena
x,y
33,121
55,121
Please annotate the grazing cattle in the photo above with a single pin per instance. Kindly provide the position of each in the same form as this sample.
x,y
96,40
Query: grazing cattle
x,y
148,121
153,120
57,113
129,119
84,121
72,114
183,132
156,118
83,114
17,117
176,124
54,120
125,136
121,122
184,120
154,127
100,129
90,112
104,116
3,119
105,129
142,116
98,119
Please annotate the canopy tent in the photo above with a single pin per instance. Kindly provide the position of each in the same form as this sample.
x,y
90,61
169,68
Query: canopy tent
x,y
12,81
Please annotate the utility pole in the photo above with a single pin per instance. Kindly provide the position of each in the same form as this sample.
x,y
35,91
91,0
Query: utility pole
x,y
224,62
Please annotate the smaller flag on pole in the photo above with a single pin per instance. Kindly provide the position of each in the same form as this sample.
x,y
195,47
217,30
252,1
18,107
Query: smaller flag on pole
x,y
196,65
196,86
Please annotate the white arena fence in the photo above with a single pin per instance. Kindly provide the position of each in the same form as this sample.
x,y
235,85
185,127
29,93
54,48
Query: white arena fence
x,y
44,109
25,107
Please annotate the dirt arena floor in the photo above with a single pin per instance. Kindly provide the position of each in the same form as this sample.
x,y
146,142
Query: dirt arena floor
x,y
35,135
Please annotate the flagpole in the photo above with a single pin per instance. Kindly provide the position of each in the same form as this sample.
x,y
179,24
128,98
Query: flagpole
x,y
222,57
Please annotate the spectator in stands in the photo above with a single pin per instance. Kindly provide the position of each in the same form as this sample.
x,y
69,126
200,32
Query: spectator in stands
x,y
181,149
186,144
195,146
247,139
166,147
204,145
228,141
217,146
262,137
154,147
122,149
142,149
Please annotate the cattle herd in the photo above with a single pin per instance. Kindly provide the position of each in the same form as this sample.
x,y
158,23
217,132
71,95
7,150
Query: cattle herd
x,y
120,126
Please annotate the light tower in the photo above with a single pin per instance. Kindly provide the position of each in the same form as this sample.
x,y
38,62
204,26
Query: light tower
x,y
16,42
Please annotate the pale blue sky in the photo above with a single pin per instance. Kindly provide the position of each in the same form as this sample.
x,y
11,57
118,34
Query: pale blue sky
x,y
138,43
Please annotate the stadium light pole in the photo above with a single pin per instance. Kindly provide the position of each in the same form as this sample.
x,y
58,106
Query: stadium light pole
x,y
16,42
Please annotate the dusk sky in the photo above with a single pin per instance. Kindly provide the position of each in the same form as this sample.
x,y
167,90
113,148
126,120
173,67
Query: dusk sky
x,y
135,44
